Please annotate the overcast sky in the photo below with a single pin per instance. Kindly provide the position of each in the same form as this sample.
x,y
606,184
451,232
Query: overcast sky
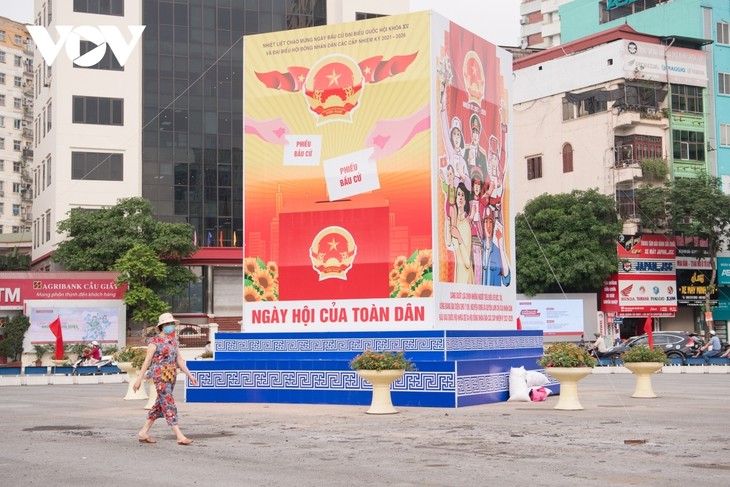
x,y
495,20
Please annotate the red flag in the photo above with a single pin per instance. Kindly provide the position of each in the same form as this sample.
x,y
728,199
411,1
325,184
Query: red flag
x,y
519,323
220,239
57,331
648,330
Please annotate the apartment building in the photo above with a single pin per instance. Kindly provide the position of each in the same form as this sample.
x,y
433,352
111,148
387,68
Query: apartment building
x,y
16,127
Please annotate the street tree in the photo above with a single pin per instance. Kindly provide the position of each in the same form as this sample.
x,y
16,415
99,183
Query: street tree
x,y
127,238
566,243
14,261
694,207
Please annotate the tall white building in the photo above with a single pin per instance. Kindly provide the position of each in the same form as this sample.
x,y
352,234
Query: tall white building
x,y
16,115
88,121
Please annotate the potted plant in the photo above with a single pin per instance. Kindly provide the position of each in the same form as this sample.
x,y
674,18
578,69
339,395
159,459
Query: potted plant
x,y
381,369
567,363
64,359
643,362
130,360
40,350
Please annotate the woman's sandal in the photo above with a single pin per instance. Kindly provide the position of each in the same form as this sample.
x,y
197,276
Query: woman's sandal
x,y
147,439
185,442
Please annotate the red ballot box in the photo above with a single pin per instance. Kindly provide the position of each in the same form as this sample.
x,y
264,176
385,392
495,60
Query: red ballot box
x,y
334,250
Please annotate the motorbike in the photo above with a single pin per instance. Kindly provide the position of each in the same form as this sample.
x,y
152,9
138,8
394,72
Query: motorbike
x,y
613,354
83,362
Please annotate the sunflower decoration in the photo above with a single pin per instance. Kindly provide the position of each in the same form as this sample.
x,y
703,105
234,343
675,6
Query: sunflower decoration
x,y
260,280
412,277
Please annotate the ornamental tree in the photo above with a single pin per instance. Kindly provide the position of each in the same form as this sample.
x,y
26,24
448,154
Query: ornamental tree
x,y
566,242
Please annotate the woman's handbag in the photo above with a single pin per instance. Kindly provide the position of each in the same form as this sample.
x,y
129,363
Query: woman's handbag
x,y
168,372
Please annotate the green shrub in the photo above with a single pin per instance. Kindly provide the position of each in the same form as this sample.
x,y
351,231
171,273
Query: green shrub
x,y
566,354
369,360
642,353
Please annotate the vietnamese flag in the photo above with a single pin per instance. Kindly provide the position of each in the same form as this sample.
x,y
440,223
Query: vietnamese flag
x,y
55,328
648,330
519,323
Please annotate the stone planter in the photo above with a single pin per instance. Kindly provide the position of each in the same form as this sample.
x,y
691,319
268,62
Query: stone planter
x,y
568,378
381,381
133,372
643,372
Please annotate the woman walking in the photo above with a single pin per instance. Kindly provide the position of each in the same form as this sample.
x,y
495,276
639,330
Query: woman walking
x,y
162,360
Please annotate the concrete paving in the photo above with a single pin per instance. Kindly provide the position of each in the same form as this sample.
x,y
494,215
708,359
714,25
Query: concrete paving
x,y
86,435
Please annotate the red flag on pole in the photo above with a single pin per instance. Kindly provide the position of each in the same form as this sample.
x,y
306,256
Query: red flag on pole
x,y
55,328
648,328
519,323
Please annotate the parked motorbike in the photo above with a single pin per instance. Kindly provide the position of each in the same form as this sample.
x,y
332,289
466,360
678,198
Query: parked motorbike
x,y
613,353
83,362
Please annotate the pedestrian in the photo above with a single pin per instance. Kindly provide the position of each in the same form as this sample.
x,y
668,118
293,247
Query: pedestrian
x,y
163,359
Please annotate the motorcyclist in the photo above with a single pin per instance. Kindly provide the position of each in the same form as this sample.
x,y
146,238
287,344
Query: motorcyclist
x,y
599,348
93,355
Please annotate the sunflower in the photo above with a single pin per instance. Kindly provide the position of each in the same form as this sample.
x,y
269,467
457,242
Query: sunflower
x,y
393,285
273,268
270,295
250,294
410,274
404,292
424,290
394,275
263,280
399,261
425,258
250,264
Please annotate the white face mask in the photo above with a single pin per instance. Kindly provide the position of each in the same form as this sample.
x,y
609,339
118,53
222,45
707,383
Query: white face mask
x,y
168,329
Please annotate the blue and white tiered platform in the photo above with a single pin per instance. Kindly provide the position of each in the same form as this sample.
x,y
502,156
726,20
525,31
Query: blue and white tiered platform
x,y
455,368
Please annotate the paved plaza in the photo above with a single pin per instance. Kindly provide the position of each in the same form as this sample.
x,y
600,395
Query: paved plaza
x,y
83,435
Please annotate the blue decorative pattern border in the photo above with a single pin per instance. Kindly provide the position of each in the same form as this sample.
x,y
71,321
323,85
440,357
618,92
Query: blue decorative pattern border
x,y
493,343
482,384
328,344
316,380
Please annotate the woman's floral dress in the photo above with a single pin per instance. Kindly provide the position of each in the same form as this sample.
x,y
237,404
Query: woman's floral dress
x,y
165,354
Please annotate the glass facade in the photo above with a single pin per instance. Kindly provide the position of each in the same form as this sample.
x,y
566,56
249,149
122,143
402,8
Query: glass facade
x,y
192,158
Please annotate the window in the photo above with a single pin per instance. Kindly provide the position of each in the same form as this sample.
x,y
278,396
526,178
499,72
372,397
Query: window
x,y
2,142
17,103
109,61
534,167
723,83
2,36
2,78
2,56
2,208
48,225
16,166
723,35
567,158
16,209
18,61
689,145
48,171
48,120
2,100
16,229
17,40
16,145
16,123
580,105
99,111
2,121
16,188
97,166
687,98
108,7
17,81
724,135
2,165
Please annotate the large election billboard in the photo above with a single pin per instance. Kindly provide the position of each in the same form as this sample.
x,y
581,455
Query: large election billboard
x,y
357,214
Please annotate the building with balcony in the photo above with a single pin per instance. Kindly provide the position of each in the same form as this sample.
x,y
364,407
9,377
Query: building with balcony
x,y
16,132
609,111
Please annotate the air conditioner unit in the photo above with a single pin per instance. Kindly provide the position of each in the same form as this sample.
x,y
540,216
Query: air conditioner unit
x,y
524,20
687,220
524,43
652,111
25,123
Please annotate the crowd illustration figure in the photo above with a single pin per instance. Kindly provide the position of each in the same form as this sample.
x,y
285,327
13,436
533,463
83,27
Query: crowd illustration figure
x,y
472,181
